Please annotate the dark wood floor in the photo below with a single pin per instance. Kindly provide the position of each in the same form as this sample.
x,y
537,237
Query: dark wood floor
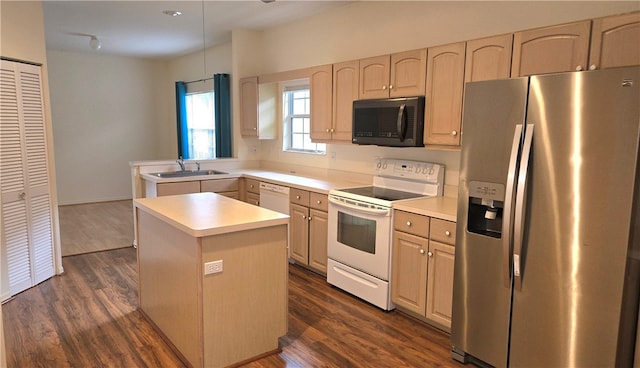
x,y
88,318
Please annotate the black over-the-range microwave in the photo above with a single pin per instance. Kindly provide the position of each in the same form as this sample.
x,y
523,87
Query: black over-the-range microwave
x,y
395,122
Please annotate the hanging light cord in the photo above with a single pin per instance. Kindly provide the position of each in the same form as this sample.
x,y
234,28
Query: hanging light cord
x,y
204,54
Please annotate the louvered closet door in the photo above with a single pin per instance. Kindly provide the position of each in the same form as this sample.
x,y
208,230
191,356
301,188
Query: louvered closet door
x,y
24,177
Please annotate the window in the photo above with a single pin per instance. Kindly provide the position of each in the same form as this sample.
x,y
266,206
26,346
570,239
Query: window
x,y
297,122
201,129
204,118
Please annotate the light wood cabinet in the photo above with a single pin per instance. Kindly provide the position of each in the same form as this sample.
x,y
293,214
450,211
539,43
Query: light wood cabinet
x,y
615,41
250,191
249,106
308,227
27,248
226,187
321,87
488,58
422,272
561,48
259,104
397,75
445,85
345,91
182,187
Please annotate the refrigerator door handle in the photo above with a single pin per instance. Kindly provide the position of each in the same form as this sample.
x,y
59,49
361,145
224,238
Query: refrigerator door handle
x,y
508,206
521,195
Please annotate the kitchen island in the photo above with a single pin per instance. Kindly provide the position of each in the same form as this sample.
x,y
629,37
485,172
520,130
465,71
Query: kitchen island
x,y
213,276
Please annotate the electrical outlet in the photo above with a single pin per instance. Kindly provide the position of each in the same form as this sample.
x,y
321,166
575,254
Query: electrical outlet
x,y
213,267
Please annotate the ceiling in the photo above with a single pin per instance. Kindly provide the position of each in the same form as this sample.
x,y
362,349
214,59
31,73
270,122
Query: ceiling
x,y
140,29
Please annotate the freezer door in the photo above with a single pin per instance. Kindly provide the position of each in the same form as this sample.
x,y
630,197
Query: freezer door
x,y
578,215
494,112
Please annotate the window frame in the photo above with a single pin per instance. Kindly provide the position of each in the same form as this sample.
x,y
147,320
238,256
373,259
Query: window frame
x,y
288,116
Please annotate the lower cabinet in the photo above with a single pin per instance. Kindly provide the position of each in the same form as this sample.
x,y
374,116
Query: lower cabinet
x,y
250,189
423,260
308,227
225,187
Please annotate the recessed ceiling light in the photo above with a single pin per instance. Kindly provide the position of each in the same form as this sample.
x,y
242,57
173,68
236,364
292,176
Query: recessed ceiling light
x,y
172,13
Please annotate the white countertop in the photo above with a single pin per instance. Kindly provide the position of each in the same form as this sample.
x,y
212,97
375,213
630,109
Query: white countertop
x,y
440,207
205,214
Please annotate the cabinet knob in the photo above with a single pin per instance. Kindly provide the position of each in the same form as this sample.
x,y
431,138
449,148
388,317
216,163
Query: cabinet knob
x,y
304,217
430,254
22,195
447,233
421,251
309,218
579,68
390,86
384,88
257,203
297,197
593,67
251,186
332,130
409,223
319,202
327,130
454,133
255,128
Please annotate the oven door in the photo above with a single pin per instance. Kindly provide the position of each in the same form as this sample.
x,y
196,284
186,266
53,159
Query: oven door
x,y
360,236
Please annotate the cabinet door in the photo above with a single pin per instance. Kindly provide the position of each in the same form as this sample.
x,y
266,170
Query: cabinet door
x,y
318,229
166,189
345,91
321,86
253,198
374,77
249,106
409,272
556,49
299,233
615,41
488,58
408,73
445,83
440,285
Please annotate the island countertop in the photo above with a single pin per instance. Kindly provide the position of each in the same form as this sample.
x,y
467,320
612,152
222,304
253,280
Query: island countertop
x,y
205,214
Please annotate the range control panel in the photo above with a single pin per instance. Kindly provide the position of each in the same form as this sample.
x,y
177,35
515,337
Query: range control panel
x,y
409,170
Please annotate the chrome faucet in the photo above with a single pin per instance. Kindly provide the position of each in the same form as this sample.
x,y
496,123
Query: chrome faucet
x,y
180,162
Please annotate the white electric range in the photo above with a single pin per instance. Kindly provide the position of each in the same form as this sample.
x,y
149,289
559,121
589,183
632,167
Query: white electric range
x,y
361,226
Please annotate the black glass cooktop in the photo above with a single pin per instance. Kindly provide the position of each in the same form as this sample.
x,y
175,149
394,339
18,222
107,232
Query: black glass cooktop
x,y
382,193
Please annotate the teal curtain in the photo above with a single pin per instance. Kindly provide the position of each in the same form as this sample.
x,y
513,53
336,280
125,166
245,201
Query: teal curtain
x,y
181,115
222,108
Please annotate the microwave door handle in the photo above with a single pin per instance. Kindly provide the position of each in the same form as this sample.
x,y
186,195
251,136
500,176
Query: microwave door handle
x,y
402,122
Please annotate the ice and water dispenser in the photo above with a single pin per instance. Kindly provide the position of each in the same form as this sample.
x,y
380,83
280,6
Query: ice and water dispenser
x,y
486,202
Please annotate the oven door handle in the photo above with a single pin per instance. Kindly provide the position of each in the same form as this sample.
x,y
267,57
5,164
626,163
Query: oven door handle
x,y
370,211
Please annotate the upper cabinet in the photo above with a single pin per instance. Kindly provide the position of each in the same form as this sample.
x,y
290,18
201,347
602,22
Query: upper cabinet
x,y
615,41
345,91
397,75
445,83
321,86
488,58
258,108
249,106
561,48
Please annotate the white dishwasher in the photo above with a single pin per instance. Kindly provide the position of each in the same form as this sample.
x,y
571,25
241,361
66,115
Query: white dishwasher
x,y
274,197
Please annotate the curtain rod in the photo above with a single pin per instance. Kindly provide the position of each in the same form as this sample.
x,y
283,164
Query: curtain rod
x,y
199,80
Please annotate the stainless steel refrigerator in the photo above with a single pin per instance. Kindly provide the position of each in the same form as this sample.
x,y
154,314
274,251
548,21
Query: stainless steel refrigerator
x,y
548,238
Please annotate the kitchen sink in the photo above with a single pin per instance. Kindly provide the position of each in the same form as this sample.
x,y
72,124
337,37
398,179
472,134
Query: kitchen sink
x,y
181,174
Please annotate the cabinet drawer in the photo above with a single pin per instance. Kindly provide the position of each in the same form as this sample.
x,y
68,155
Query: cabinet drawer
x,y
443,231
298,196
253,198
411,223
219,185
318,201
184,187
252,186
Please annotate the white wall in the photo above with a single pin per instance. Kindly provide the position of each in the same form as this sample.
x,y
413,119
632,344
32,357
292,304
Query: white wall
x,y
104,115
364,29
